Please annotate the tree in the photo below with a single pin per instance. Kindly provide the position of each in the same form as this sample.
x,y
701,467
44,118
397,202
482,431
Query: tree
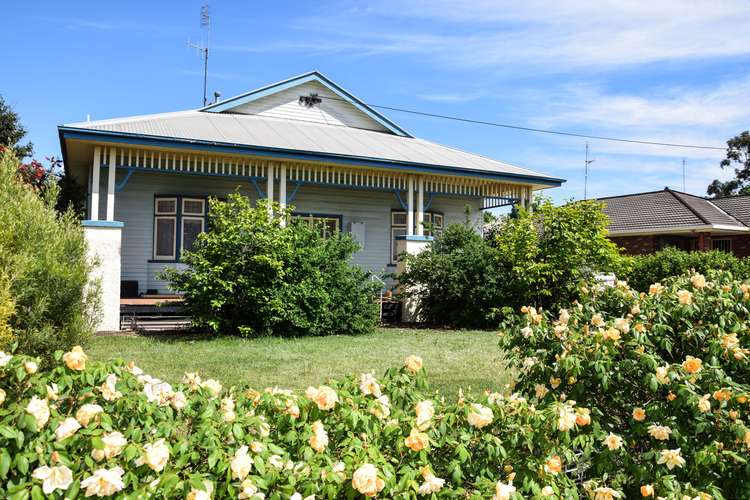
x,y
738,151
11,131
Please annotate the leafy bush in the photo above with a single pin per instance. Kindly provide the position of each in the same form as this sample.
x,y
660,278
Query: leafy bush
x,y
536,258
643,270
249,275
43,263
664,376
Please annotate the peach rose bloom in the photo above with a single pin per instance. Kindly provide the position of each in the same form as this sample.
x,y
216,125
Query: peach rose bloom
x,y
554,382
604,493
597,320
241,463
67,428
698,280
432,483
417,441
75,359
622,324
156,455
662,374
114,442
413,363
671,458
692,365
540,391
425,411
213,386
613,442
480,416
503,491
2,396
369,385
86,412
178,400
247,489
611,334
655,289
53,478
204,494
583,417
257,447
30,367
647,490
639,414
104,482
684,297
366,481
547,491
660,432
192,380
109,391
325,397
566,418
319,440
553,465
39,409
722,395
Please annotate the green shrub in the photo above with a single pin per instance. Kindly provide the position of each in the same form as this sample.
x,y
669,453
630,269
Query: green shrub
x,y
667,370
43,259
536,258
249,275
647,269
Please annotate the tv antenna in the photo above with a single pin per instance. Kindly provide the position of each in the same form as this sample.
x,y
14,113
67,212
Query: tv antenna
x,y
587,162
683,175
202,48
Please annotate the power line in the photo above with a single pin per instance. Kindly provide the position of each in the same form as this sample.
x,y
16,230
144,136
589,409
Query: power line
x,y
538,130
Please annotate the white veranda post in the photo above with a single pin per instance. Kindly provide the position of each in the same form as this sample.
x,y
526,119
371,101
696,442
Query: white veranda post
x,y
420,206
410,208
282,192
94,212
269,189
111,184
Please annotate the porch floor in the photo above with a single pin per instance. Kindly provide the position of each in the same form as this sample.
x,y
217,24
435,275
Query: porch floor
x,y
151,300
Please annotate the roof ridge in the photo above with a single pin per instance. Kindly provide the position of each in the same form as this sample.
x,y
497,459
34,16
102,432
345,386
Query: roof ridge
x,y
628,195
711,203
684,203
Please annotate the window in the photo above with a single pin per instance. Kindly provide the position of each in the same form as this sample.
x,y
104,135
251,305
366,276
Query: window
x,y
328,224
724,244
178,221
433,225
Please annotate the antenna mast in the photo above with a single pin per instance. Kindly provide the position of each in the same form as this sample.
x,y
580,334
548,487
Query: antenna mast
x,y
202,48
683,175
587,162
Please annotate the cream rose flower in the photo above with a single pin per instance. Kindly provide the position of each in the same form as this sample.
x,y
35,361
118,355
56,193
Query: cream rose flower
x,y
75,359
639,414
704,403
156,455
52,392
698,280
566,418
366,481
241,463
684,297
39,409
369,385
213,386
108,388
30,367
622,324
611,334
67,428
247,489
257,447
417,441
655,289
432,484
613,442
104,482
382,407
540,391
480,416
201,494
503,491
660,432
319,440
671,458
692,365
647,490
87,412
2,397
114,442
4,359
597,320
547,491
325,397
53,478
527,332
553,465
554,382
605,493
413,363
662,375
178,401
425,411
192,380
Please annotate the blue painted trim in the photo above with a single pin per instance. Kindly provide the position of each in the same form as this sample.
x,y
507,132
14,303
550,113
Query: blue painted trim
x,y
400,200
102,223
124,182
261,193
230,148
203,174
290,198
427,206
312,76
414,237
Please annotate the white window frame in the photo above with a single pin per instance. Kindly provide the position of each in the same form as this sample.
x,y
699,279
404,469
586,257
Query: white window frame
x,y
194,214
314,220
429,217
201,219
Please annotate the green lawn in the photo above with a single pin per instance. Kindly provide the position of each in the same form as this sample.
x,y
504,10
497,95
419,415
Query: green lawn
x,y
453,359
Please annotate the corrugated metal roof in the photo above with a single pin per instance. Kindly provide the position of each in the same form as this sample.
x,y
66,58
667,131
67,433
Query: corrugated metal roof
x,y
664,210
266,132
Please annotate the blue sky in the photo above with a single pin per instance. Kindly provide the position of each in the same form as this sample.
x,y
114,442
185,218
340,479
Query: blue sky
x,y
676,71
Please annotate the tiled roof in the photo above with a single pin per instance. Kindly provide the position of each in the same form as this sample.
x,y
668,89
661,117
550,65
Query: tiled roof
x,y
737,206
660,211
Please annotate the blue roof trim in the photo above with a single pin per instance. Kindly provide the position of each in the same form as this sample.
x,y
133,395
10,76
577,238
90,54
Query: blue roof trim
x,y
231,148
253,95
102,223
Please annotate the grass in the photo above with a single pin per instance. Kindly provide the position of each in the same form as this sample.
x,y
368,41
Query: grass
x,y
453,359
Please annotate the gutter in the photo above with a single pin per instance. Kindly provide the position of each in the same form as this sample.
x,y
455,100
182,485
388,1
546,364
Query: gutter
x,y
707,228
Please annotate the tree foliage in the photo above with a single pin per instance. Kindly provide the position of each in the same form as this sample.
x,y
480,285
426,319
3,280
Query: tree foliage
x,y
12,131
738,151
249,275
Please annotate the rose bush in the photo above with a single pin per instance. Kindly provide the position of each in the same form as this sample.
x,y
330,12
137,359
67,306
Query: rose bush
x,y
651,388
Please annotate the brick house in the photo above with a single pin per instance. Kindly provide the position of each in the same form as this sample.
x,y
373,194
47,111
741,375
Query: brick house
x,y
646,222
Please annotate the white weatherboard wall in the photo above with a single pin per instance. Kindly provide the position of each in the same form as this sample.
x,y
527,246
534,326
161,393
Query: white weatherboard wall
x,y
103,247
134,205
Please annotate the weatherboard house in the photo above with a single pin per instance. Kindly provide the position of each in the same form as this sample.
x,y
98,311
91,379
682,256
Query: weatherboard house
x,y
303,142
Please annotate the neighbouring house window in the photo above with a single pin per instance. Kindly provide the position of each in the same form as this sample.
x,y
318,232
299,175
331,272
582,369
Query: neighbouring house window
x,y
328,224
178,220
723,244
433,226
